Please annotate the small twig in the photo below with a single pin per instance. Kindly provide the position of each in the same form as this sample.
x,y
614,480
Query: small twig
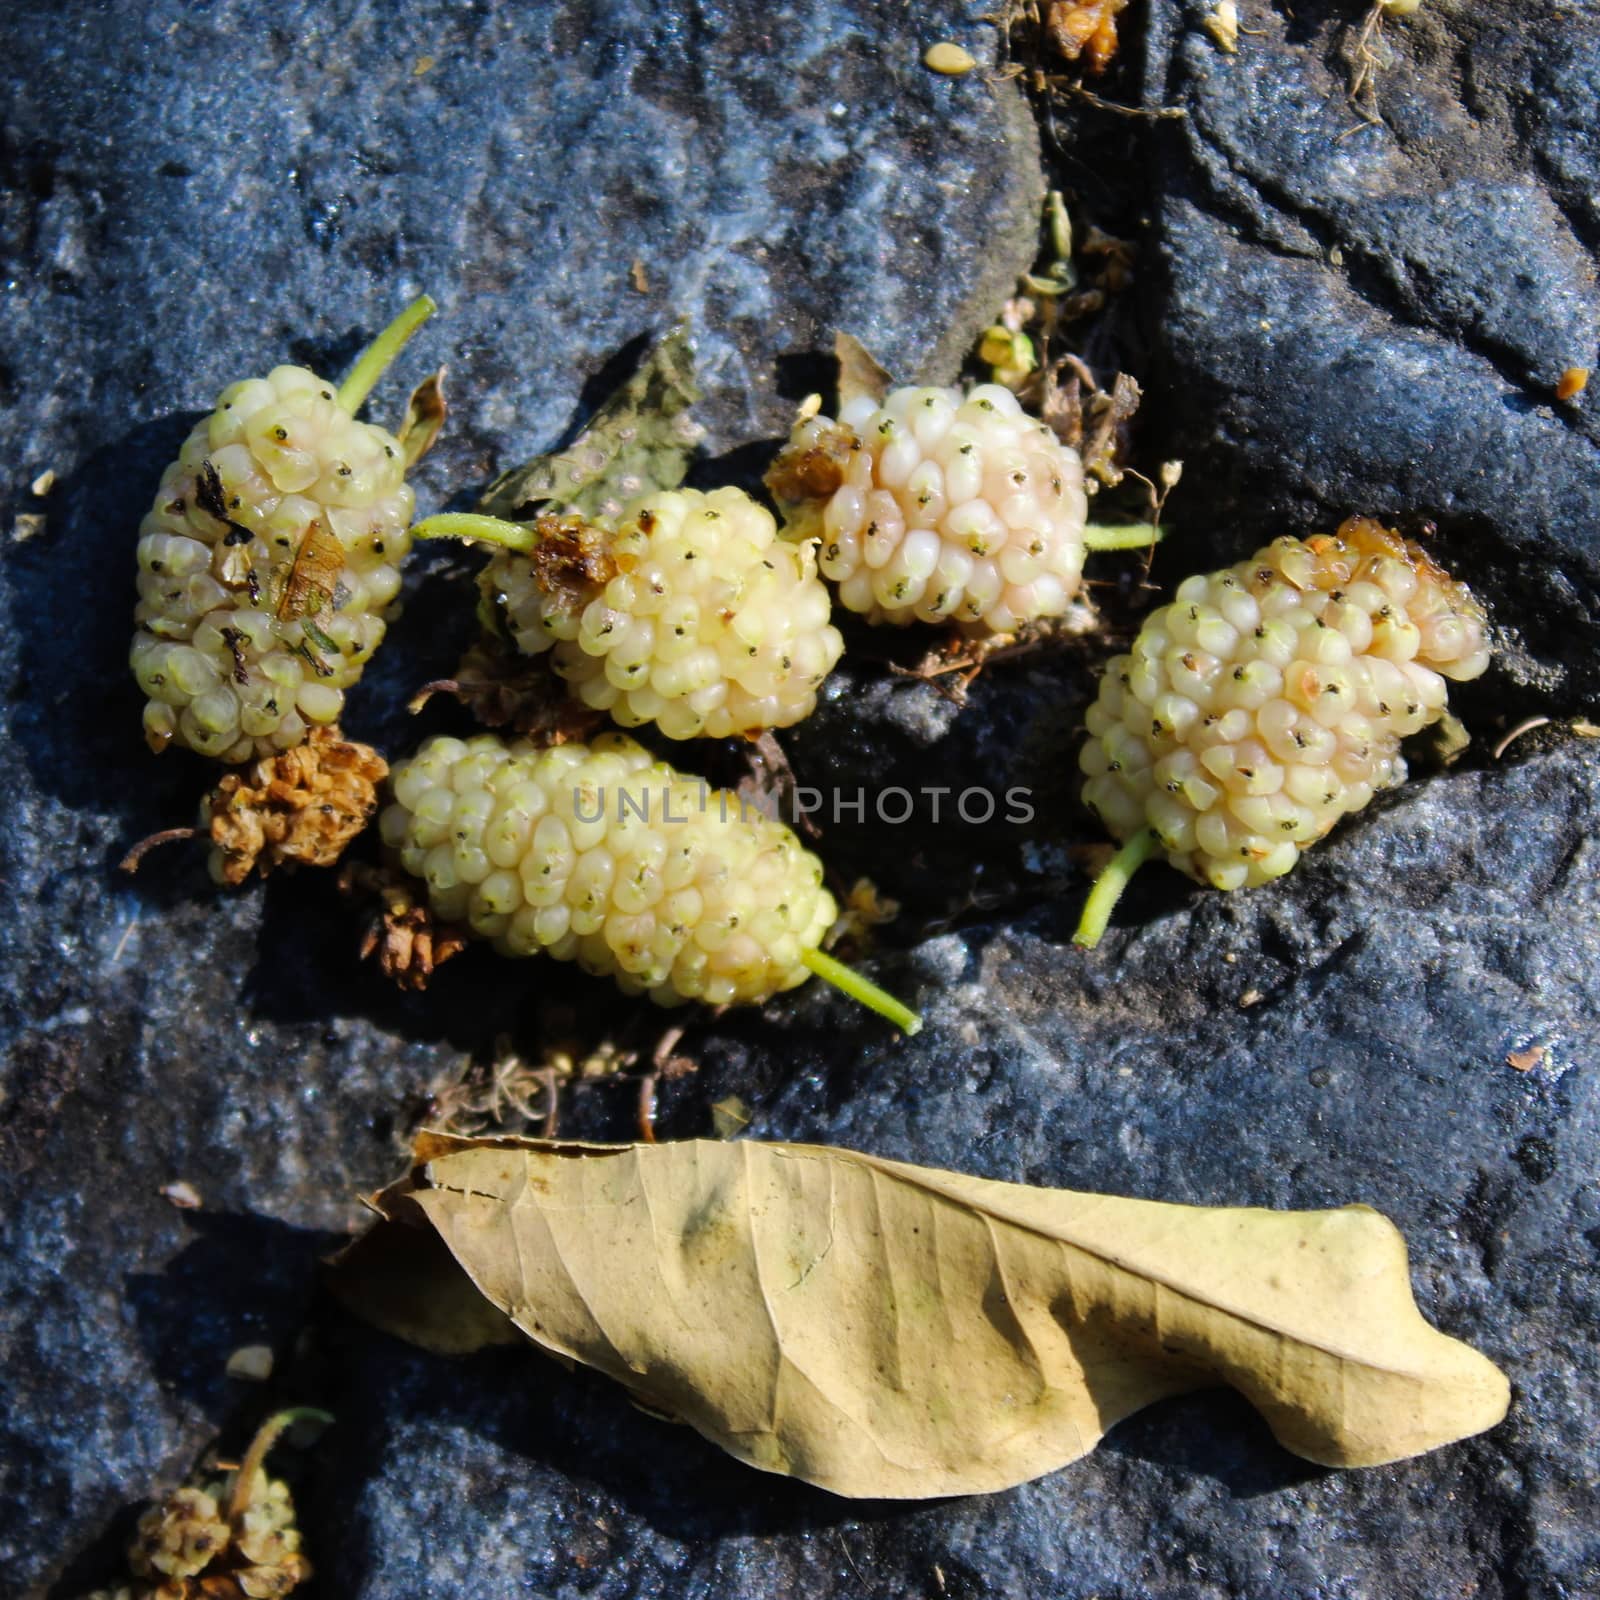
x,y
1073,87
1516,733
130,862
647,1107
266,1436
552,1102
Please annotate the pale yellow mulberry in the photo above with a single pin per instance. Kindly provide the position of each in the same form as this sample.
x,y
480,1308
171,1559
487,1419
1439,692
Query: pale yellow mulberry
x,y
603,855
269,560
938,505
1269,700
690,613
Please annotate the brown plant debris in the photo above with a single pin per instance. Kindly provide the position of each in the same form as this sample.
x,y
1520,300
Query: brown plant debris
x,y
411,945
1085,31
815,470
513,1092
956,663
862,910
505,689
302,806
426,411
305,805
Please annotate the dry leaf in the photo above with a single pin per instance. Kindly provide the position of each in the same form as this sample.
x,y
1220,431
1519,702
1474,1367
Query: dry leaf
x,y
897,1331
425,414
860,372
642,439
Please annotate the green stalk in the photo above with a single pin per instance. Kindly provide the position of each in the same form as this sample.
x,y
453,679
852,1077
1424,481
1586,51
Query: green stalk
x,y
1135,536
862,989
469,525
267,1435
375,359
1109,885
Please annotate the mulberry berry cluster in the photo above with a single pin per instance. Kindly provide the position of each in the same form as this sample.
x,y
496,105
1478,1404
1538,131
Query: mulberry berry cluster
x,y
937,505
269,559
1269,700
603,855
691,613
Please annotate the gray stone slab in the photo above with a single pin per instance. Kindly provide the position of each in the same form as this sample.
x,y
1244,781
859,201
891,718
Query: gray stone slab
x,y
189,195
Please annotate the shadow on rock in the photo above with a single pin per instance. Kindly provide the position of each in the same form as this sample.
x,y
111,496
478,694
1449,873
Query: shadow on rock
x,y
243,1280
1216,1434
430,1449
73,594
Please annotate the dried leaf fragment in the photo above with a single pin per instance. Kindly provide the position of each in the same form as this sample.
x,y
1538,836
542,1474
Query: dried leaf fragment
x,y
860,372
425,414
890,1330
641,440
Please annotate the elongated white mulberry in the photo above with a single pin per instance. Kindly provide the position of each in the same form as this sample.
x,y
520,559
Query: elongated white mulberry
x,y
691,613
602,855
1269,700
268,561
939,505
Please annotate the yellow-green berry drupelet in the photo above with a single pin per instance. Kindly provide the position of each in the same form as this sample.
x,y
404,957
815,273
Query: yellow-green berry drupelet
x,y
690,613
939,505
1269,700
603,855
269,560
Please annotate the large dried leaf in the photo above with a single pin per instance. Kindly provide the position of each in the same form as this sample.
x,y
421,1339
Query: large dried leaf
x,y
889,1330
642,439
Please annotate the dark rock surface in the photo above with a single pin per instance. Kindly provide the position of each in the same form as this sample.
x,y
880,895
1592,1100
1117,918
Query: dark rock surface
x,y
189,194
1373,316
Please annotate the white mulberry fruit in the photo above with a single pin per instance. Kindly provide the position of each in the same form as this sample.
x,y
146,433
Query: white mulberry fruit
x,y
691,613
603,855
1269,700
939,505
269,559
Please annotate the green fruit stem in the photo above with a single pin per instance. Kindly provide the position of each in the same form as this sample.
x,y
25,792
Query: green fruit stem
x,y
1109,885
1134,536
470,525
267,1435
375,359
862,989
